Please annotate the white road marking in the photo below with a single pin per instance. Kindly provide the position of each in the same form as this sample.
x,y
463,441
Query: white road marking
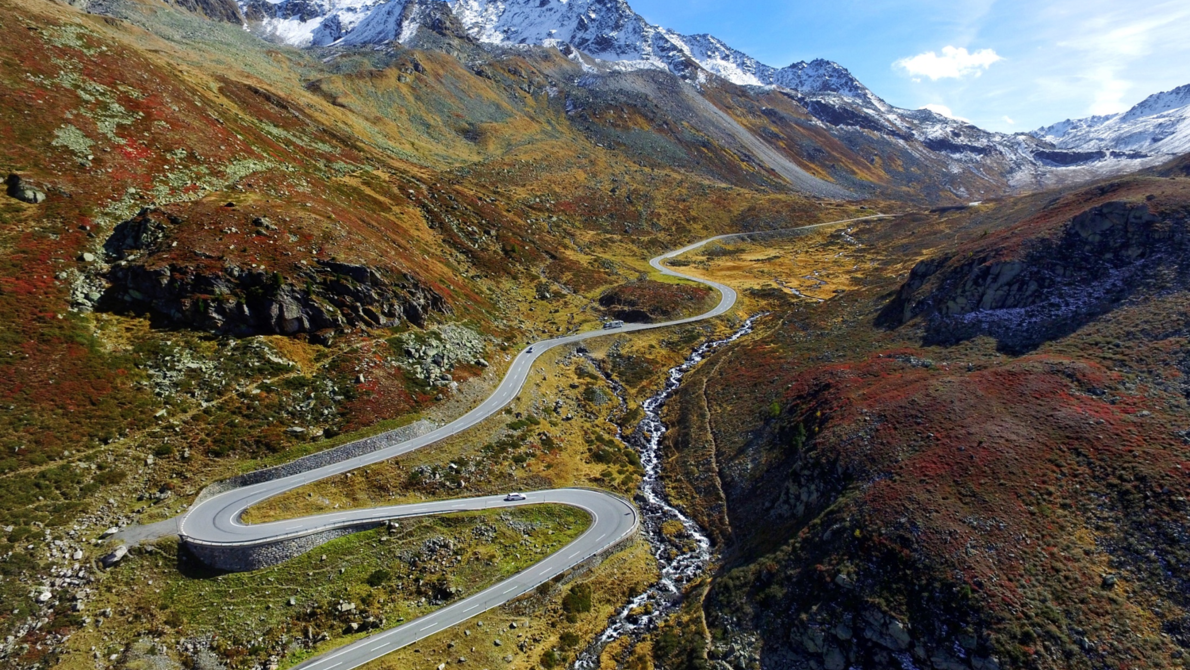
x,y
514,382
472,607
378,647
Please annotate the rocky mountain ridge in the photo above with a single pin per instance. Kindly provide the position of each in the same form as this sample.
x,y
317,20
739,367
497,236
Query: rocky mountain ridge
x,y
1023,299
607,30
608,36
1159,124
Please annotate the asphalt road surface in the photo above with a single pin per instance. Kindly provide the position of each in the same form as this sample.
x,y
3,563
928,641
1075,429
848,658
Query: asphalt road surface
x,y
216,520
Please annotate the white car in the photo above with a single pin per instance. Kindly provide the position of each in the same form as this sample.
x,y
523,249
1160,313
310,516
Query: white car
x,y
511,497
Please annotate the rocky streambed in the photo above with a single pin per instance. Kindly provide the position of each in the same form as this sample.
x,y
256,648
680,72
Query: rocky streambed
x,y
683,556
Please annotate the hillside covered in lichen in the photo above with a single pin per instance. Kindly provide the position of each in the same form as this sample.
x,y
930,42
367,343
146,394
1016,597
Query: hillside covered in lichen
x,y
977,461
957,438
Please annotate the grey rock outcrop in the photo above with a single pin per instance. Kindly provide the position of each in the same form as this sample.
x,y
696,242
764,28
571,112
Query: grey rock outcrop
x,y
430,354
142,232
318,300
114,557
1052,287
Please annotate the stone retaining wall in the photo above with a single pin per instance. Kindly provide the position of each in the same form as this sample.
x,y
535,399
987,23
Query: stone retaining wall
x,y
320,459
242,558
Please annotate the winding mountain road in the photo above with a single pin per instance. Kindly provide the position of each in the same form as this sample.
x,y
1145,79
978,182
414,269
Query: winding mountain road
x,y
215,521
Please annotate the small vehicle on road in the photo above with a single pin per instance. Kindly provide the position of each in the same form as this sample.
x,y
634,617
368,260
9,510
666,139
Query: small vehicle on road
x,y
529,350
613,324
511,497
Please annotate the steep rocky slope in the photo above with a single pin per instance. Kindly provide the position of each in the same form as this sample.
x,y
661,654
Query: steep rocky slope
x,y
609,35
217,254
1026,296
890,489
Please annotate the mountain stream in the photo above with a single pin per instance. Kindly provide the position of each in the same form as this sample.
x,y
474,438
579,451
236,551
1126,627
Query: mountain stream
x,y
679,564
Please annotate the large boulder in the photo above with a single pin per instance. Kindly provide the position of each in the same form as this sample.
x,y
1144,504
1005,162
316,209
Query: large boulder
x,y
114,557
21,190
140,233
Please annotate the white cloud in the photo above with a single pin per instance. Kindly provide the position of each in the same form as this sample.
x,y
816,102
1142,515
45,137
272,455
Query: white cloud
x,y
1109,98
1108,54
954,63
1009,121
944,111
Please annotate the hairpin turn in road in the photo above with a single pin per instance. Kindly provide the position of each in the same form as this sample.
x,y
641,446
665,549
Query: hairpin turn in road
x,y
215,522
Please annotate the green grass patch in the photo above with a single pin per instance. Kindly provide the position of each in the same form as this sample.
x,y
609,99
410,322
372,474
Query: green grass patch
x,y
340,591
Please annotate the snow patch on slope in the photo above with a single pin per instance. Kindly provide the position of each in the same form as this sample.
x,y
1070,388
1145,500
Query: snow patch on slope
x,y
1159,125
607,35
304,23
386,23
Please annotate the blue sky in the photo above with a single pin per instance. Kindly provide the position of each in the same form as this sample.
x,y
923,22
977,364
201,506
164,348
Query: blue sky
x,y
1008,65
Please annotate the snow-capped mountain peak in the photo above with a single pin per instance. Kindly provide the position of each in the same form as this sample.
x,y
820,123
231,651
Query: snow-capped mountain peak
x,y
1160,124
608,30
1159,103
820,76
1057,131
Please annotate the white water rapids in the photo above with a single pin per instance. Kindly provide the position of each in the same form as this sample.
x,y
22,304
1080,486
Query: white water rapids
x,y
677,568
